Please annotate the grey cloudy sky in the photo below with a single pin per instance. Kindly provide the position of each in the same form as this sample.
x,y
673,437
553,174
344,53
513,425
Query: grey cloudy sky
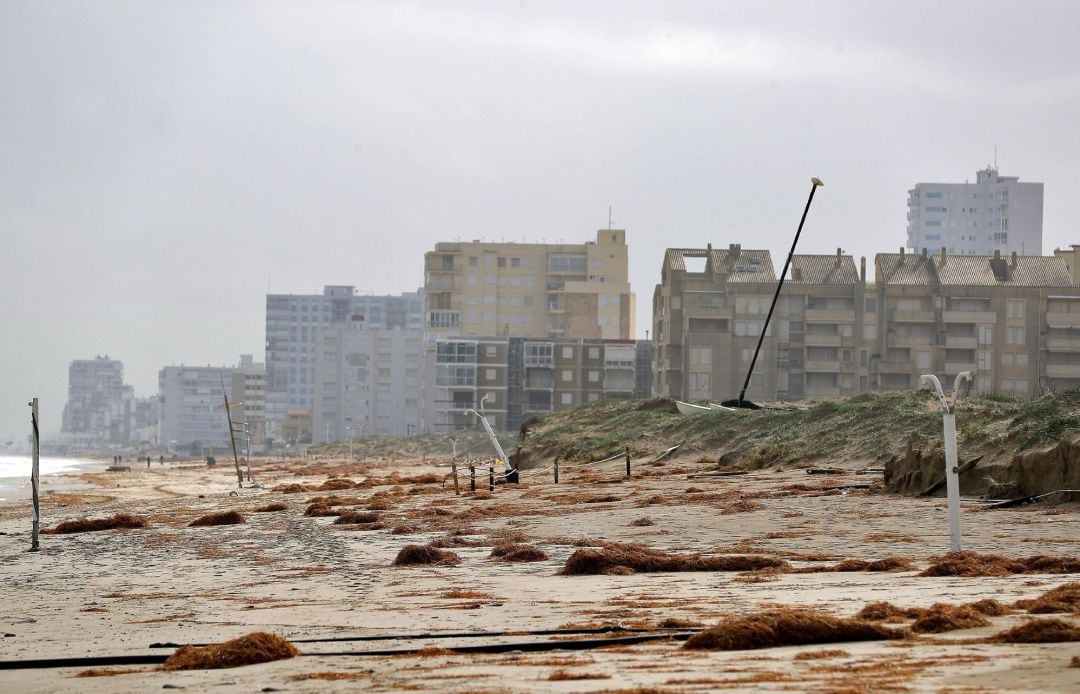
x,y
164,164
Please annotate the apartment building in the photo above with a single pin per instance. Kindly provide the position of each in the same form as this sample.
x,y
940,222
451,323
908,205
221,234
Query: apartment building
x,y
514,378
1004,317
99,404
708,313
1008,318
367,381
292,325
530,290
994,214
192,407
248,399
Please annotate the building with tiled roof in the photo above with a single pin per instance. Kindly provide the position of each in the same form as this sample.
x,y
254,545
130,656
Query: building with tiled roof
x,y
1012,319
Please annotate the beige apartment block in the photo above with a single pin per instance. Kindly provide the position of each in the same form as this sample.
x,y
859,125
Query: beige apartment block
x,y
1004,317
530,290
708,314
1013,320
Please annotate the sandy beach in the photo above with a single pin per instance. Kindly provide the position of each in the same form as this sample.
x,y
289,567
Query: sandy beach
x,y
331,589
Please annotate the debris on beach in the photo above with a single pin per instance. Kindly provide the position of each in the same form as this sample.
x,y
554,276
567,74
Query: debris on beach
x,y
620,559
419,555
121,521
223,518
787,627
1064,598
1039,631
517,552
975,564
258,647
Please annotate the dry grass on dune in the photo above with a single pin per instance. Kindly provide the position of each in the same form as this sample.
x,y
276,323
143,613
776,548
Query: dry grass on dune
x,y
616,558
975,564
787,628
515,552
121,521
258,647
223,518
1039,631
418,555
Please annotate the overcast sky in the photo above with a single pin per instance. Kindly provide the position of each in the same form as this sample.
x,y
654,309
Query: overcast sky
x,y
163,165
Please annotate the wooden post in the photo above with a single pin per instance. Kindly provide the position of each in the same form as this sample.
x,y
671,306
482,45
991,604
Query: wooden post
x,y
491,478
628,461
34,472
556,469
472,478
453,468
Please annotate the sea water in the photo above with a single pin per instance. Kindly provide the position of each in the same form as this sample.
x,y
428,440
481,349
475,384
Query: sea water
x,y
15,469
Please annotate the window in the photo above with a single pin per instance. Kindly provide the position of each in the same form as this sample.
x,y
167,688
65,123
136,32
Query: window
x,y
700,383
870,306
933,222
472,261
1014,309
701,356
567,352
594,377
490,351
869,331
933,195
594,353
455,353
567,375
982,362
515,262
502,262
538,354
1014,335
922,360
489,374
448,262
846,355
986,335
567,398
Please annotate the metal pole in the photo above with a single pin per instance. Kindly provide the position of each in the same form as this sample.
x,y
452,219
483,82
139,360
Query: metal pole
x,y
952,470
814,183
34,474
472,478
628,461
453,468
556,469
491,478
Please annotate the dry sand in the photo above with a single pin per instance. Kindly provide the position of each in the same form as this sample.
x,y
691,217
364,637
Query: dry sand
x,y
115,592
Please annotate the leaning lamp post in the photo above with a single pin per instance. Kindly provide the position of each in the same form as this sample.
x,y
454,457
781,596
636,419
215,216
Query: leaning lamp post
x,y
952,471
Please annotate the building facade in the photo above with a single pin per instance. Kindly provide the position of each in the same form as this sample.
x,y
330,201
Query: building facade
x,y
1007,318
994,214
192,407
292,325
367,382
248,399
98,409
514,378
530,290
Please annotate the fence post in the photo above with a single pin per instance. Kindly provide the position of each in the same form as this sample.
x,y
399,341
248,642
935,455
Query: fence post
x,y
453,467
491,478
34,472
472,478
556,469
628,461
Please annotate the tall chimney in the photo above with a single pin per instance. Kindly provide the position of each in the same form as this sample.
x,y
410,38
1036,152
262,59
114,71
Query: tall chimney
x,y
1014,258
901,254
862,269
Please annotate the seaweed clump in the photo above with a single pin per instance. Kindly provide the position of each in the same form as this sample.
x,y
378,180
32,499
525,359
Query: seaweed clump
x,y
419,555
787,628
121,521
258,647
621,559
223,518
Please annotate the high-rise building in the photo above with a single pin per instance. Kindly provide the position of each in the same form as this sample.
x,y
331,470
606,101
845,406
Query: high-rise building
x,y
98,403
530,290
292,324
248,398
367,381
192,407
993,214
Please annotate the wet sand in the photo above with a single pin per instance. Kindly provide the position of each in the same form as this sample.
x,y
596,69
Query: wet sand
x,y
116,592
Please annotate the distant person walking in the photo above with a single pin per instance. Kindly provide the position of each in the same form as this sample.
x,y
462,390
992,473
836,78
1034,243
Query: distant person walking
x,y
147,462
161,460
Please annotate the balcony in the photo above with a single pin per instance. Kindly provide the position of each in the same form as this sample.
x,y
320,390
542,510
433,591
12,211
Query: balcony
x,y
895,367
969,316
830,315
909,341
830,366
913,316
821,340
1063,344
1063,320
955,367
1063,370
957,342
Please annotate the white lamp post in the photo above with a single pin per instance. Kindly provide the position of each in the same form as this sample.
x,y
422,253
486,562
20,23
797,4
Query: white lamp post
x,y
952,472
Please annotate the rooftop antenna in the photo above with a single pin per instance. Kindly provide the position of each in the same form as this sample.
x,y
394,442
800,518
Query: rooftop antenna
x,y
995,157
609,217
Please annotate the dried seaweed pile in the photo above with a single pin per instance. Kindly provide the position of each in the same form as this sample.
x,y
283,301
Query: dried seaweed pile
x,y
787,628
620,559
258,647
86,525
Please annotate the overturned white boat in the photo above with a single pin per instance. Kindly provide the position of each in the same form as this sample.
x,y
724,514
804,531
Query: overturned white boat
x,y
690,408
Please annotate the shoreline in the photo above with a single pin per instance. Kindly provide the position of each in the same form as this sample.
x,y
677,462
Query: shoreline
x,y
16,490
